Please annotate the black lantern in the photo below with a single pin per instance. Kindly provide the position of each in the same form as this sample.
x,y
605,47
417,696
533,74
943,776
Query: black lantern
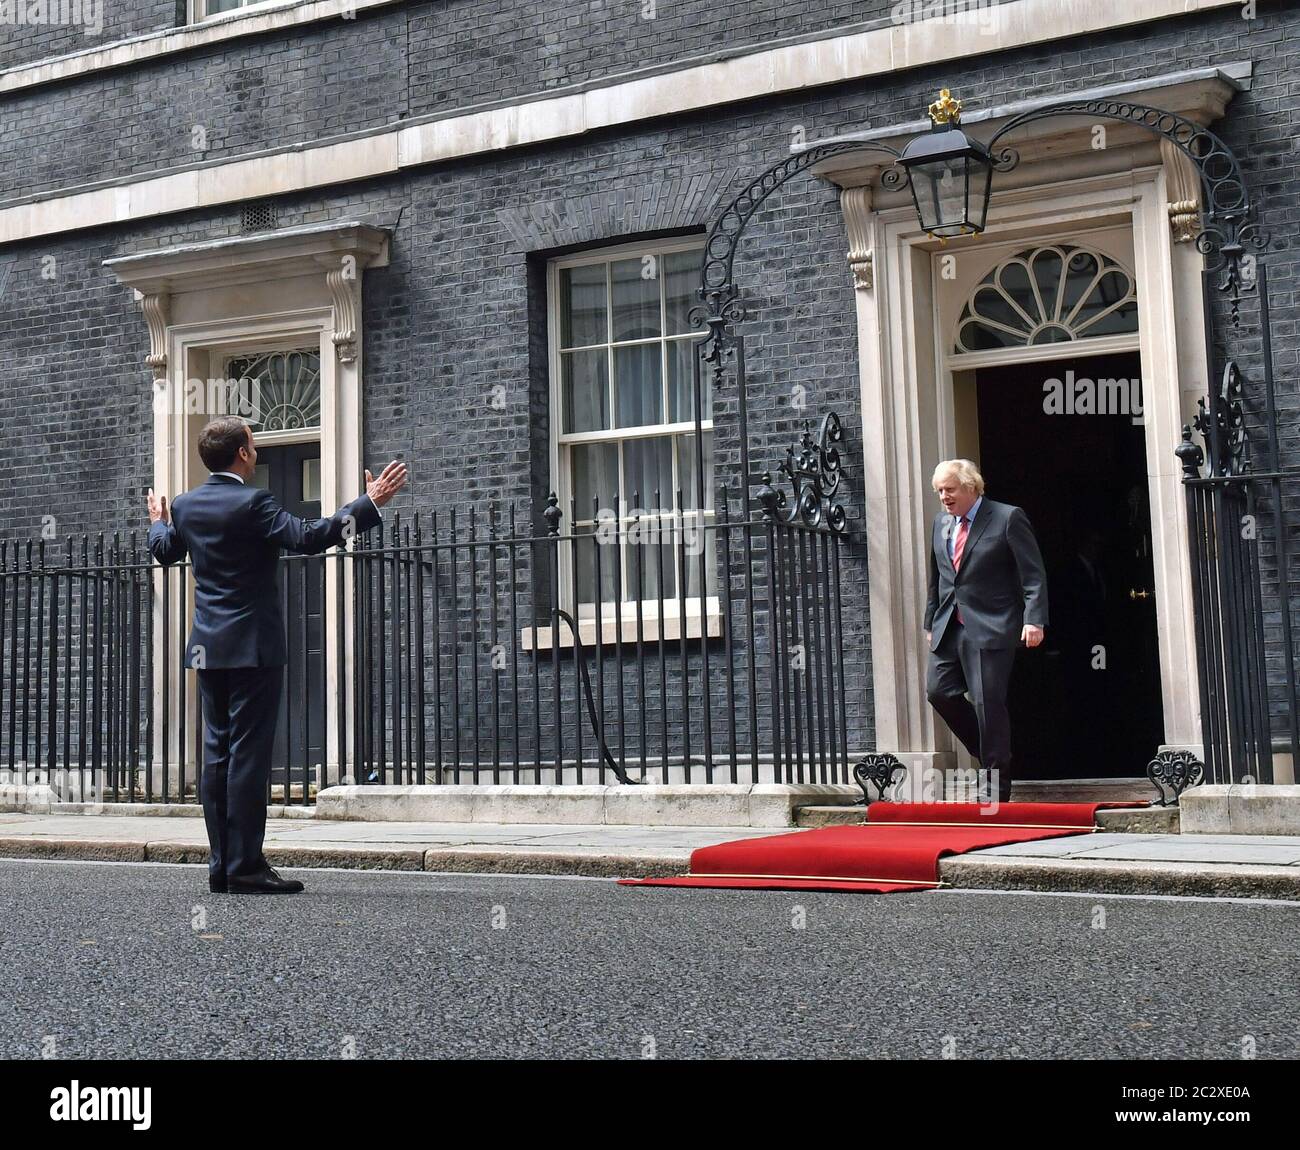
x,y
950,174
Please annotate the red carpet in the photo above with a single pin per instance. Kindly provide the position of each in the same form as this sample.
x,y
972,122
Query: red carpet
x,y
898,849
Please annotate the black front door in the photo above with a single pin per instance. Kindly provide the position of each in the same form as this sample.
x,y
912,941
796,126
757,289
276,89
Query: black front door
x,y
292,474
1064,440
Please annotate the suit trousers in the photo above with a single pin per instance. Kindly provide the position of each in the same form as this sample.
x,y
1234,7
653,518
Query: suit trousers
x,y
240,710
982,722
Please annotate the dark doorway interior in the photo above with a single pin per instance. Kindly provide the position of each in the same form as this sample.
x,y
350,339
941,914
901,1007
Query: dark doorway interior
x,y
292,473
1087,703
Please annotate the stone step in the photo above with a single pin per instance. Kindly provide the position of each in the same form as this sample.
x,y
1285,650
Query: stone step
x,y
1083,791
1140,821
1134,820
681,805
841,816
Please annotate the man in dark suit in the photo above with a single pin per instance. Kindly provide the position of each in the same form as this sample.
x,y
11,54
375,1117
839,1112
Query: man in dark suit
x,y
987,595
234,534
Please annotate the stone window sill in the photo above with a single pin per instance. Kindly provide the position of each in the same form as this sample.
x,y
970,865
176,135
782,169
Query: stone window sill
x,y
653,629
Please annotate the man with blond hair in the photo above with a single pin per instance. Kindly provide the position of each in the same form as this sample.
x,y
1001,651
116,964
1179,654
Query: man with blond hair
x,y
987,595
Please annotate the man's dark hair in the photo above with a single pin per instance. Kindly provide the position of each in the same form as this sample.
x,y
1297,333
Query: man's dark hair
x,y
220,441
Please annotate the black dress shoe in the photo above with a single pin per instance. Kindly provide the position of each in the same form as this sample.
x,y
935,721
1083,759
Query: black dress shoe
x,y
217,885
263,882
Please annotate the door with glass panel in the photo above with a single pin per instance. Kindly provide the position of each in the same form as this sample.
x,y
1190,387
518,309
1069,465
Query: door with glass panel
x,y
625,446
282,390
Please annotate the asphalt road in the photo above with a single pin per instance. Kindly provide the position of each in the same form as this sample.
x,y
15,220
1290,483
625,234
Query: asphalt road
x,y
139,961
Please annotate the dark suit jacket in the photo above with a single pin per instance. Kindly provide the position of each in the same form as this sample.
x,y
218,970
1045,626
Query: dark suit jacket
x,y
1001,585
234,534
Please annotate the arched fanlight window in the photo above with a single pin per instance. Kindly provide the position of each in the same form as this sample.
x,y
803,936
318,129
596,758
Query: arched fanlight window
x,y
279,390
1051,294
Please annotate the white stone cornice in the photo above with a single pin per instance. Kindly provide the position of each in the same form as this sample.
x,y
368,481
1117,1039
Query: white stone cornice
x,y
789,68
334,254
1200,94
253,259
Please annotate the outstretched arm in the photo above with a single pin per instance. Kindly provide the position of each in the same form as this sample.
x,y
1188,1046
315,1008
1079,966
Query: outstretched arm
x,y
312,536
165,542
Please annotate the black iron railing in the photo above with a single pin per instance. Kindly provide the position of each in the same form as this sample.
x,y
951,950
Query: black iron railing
x,y
1248,618
448,648
711,654
76,645
1242,509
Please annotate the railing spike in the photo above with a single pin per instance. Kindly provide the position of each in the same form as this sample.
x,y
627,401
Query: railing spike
x,y
552,514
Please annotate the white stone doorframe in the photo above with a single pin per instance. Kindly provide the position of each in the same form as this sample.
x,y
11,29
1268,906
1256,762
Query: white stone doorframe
x,y
299,286
198,352
908,423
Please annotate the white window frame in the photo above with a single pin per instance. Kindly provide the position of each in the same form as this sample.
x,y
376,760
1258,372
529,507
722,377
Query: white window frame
x,y
561,441
198,9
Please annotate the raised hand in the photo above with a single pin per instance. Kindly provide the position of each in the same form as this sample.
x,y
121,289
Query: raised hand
x,y
391,480
158,507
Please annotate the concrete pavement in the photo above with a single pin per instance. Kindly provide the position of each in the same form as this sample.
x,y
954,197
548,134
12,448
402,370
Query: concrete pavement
x,y
602,850
1262,866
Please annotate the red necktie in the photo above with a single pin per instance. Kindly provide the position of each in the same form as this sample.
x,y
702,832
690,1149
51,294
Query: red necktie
x,y
960,545
957,548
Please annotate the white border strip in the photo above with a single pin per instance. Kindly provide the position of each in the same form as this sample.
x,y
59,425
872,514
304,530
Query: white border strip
x,y
389,150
